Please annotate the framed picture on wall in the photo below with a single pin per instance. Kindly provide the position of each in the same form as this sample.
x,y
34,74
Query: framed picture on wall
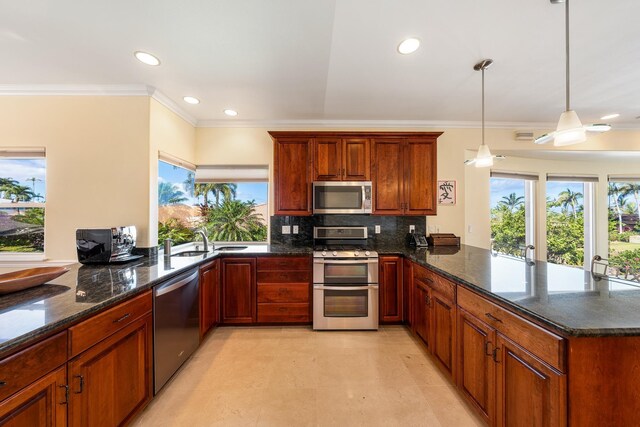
x,y
447,192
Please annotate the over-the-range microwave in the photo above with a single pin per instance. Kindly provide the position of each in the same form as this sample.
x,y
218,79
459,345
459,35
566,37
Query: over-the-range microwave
x,y
341,197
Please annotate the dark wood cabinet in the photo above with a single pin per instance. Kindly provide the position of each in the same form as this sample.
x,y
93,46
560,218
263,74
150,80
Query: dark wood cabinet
x,y
407,290
443,320
43,403
111,381
390,288
292,175
239,290
404,175
209,296
421,312
284,289
341,159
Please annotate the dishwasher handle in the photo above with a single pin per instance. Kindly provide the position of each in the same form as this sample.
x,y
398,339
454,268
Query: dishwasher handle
x,y
169,287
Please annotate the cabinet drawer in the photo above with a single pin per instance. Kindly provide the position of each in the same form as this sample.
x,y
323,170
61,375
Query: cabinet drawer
x,y
87,333
290,313
284,277
284,293
23,368
544,344
444,287
284,263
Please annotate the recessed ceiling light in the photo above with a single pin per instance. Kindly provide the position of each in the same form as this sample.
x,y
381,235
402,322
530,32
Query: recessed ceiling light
x,y
610,116
191,100
146,58
408,46
230,112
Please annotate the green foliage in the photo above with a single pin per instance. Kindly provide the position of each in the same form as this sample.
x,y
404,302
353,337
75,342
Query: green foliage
x,y
169,194
175,230
235,221
31,216
508,228
627,264
614,236
565,238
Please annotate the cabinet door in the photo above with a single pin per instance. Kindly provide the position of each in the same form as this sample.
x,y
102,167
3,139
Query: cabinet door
x,y
292,176
529,392
407,290
209,297
443,330
387,177
112,381
390,285
476,369
43,403
239,290
421,312
420,177
327,155
356,159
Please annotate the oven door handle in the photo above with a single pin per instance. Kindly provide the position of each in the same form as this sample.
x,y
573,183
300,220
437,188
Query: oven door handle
x,y
338,261
346,288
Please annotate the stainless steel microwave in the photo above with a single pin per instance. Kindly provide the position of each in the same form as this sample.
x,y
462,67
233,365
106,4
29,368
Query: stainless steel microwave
x,y
341,197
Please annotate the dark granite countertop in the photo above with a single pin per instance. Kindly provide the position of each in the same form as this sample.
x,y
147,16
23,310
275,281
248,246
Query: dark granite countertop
x,y
565,299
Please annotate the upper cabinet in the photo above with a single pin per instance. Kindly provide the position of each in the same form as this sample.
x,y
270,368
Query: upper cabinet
x,y
401,166
404,175
341,159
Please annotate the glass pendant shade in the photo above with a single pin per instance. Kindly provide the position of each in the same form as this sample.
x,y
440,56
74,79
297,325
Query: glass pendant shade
x,y
570,130
484,158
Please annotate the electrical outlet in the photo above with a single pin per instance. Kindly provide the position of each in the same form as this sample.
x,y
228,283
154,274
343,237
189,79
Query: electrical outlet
x,y
412,229
377,229
286,229
470,229
295,229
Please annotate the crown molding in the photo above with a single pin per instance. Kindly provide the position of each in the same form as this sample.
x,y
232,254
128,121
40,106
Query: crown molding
x,y
75,90
171,105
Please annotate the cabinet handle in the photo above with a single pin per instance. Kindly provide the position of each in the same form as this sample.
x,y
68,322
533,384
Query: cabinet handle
x,y
122,318
3,383
487,352
495,355
492,317
81,383
66,394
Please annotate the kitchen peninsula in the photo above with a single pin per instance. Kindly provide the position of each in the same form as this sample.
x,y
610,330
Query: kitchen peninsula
x,y
514,324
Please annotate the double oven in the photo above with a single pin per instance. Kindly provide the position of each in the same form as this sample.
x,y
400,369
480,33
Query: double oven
x,y
345,281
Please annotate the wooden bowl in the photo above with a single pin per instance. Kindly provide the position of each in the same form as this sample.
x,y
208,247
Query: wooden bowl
x,y
24,279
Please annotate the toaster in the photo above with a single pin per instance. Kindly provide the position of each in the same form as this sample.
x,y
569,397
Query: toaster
x,y
106,245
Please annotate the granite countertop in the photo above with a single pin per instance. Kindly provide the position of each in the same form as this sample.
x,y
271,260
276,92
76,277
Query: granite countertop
x,y
565,299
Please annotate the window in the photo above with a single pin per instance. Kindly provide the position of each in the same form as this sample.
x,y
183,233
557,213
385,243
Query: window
x,y
624,227
230,202
570,220
512,213
22,201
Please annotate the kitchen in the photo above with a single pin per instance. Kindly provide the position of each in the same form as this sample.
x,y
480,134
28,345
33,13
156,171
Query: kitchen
x,y
105,141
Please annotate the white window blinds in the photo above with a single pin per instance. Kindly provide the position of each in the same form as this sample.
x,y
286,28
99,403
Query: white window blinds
x,y
232,173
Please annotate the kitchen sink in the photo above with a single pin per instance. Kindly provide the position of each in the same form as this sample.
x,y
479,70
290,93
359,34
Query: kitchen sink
x,y
230,248
191,253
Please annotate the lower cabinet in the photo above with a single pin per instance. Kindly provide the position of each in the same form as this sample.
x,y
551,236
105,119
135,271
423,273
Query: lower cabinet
x,y
43,403
239,290
112,381
209,296
443,320
284,289
390,288
421,313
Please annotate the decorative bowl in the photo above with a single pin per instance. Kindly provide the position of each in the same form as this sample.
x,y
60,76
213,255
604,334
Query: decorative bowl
x,y
24,279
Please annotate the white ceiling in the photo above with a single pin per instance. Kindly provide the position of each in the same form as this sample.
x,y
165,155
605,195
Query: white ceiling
x,y
324,60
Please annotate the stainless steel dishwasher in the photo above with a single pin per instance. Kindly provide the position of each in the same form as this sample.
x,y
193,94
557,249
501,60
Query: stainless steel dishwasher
x,y
176,322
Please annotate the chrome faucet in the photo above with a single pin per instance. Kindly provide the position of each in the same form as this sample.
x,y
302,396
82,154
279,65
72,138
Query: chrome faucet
x,y
205,241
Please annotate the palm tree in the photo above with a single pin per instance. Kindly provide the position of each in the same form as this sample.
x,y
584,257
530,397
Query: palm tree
x,y
634,189
630,208
169,194
616,193
235,220
568,198
511,201
226,190
6,186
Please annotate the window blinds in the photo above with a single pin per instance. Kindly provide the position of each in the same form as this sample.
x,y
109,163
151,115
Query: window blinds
x,y
232,173
173,160
514,175
572,178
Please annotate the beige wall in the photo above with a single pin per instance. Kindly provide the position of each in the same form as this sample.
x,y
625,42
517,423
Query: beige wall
x,y
97,167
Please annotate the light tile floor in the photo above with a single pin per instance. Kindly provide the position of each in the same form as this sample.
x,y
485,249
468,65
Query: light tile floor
x,y
293,376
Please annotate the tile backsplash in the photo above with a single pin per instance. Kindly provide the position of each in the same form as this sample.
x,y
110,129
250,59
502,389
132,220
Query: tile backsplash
x,y
393,229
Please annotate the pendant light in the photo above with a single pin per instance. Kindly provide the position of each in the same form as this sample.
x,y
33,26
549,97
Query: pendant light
x,y
483,158
570,129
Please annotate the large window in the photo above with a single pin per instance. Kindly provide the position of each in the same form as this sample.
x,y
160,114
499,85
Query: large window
x,y
230,203
570,220
22,202
624,227
512,213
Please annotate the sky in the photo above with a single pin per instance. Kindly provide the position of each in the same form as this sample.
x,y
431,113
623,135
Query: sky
x,y
502,187
257,191
23,169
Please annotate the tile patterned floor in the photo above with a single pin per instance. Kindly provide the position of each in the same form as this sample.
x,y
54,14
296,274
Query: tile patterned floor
x,y
293,376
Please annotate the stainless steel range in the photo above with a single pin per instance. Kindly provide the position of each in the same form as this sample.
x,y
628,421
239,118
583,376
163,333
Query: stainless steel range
x,y
345,279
